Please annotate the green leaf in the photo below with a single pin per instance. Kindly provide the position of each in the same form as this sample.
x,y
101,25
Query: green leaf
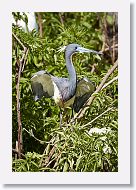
x,y
66,166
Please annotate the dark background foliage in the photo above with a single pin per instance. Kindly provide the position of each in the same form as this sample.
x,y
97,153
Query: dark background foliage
x,y
46,147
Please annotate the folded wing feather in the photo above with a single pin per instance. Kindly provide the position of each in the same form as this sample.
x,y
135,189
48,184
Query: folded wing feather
x,y
42,85
84,90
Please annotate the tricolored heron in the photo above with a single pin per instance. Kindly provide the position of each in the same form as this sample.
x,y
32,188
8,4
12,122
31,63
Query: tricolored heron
x,y
65,91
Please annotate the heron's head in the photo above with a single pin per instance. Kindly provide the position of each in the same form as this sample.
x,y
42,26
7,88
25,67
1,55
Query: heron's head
x,y
75,48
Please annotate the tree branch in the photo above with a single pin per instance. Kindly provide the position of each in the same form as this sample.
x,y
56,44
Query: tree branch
x,y
19,67
16,152
88,103
111,81
61,18
96,118
32,135
18,40
107,49
40,24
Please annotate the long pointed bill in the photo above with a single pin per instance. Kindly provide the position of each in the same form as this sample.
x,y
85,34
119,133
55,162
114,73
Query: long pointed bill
x,y
85,50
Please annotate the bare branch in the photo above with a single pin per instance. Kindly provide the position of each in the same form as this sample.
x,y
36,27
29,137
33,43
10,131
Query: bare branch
x,y
32,135
61,18
24,62
40,24
47,147
114,41
47,161
57,157
107,49
96,118
111,81
20,145
93,68
19,67
18,40
16,152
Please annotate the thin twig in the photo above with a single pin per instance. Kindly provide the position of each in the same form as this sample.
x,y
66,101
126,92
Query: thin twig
x,y
111,81
17,39
47,163
32,135
107,49
114,40
105,32
16,152
40,24
93,68
113,50
109,44
45,150
23,65
96,118
88,103
61,18
57,157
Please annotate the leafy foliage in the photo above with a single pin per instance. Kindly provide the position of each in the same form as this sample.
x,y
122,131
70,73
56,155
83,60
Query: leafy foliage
x,y
46,146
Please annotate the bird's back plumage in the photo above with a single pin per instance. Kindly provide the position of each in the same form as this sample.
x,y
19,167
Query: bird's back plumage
x,y
61,90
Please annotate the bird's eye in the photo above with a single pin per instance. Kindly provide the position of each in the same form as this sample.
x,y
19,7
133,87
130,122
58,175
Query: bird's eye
x,y
76,48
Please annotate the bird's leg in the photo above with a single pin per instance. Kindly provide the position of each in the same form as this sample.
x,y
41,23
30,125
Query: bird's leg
x,y
72,114
61,116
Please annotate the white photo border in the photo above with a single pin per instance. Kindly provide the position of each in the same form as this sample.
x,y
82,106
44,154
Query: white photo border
x,y
123,174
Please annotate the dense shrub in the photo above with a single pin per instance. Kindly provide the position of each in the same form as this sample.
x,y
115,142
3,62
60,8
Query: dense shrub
x,y
78,146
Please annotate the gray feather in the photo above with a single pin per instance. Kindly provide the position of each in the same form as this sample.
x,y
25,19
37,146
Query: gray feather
x,y
67,89
42,85
84,90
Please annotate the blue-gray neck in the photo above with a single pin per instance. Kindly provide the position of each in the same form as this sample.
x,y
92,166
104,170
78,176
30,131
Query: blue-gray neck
x,y
70,68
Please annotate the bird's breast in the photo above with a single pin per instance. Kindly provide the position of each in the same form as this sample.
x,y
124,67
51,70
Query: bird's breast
x,y
57,95
69,102
59,99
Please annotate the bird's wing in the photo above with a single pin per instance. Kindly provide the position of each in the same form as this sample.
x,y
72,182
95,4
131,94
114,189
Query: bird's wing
x,y
84,90
42,85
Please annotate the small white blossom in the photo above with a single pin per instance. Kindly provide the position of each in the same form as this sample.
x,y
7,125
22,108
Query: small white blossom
x,y
61,49
103,138
107,149
99,131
